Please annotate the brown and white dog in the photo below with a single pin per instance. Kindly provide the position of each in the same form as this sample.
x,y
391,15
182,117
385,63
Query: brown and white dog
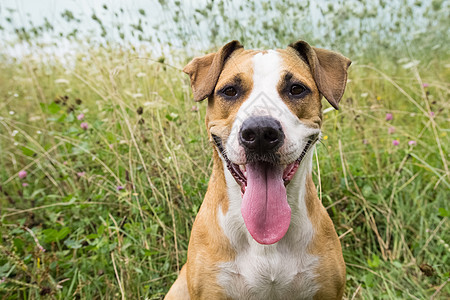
x,y
262,232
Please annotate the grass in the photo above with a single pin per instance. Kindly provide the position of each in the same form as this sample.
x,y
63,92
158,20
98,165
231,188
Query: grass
x,y
106,212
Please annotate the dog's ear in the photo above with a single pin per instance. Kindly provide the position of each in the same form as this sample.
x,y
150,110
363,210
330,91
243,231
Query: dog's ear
x,y
329,70
204,71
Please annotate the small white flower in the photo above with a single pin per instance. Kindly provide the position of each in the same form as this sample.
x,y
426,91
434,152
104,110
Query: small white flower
x,y
137,95
16,95
11,112
35,118
141,74
14,133
411,64
16,143
39,132
62,80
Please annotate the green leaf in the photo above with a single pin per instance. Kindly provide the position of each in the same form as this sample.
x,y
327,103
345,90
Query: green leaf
x,y
149,252
4,269
374,262
53,108
101,229
172,116
62,119
27,151
63,233
50,235
368,279
18,243
397,264
367,190
443,212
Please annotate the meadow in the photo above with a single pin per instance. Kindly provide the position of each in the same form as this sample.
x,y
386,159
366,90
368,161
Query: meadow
x,y
104,165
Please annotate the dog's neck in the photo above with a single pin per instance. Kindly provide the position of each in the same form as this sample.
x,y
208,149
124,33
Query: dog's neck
x,y
298,194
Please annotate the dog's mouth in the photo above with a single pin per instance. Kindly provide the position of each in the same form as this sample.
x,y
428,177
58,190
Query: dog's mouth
x,y
263,184
239,172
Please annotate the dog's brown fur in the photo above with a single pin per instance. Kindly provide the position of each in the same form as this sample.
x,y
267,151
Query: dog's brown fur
x,y
325,73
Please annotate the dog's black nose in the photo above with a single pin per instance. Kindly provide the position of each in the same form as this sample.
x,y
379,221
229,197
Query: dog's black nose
x,y
261,134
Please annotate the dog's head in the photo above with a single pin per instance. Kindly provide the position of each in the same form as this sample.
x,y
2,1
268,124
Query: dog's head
x,y
264,114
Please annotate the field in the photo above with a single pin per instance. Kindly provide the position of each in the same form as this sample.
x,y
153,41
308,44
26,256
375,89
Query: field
x,y
104,165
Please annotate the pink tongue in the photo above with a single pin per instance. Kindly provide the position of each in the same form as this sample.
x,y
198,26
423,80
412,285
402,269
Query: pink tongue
x,y
264,206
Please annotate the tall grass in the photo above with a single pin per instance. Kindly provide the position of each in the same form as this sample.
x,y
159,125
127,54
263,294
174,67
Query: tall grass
x,y
104,163
112,205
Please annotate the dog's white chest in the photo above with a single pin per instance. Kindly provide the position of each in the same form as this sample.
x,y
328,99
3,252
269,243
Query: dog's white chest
x,y
265,272
284,270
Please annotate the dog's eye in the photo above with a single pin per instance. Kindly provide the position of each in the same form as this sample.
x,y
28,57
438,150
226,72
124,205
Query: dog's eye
x,y
297,89
230,91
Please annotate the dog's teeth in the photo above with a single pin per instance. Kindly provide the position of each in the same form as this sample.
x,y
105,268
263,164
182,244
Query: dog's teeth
x,y
242,167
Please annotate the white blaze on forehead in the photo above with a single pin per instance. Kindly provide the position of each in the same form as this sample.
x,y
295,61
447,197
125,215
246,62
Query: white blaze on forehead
x,y
266,67
264,100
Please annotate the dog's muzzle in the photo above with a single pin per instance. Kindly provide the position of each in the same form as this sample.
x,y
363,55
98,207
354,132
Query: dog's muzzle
x,y
260,136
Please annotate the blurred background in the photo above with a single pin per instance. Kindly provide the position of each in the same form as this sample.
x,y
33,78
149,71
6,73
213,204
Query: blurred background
x,y
168,27
104,158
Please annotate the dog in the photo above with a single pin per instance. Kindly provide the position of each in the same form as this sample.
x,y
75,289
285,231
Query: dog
x,y
262,232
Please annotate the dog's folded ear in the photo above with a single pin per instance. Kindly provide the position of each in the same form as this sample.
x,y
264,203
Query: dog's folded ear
x,y
204,71
329,70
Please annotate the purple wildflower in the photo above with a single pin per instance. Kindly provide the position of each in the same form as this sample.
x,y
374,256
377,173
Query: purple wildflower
x,y
25,184
412,143
84,125
81,174
80,117
425,85
119,188
388,116
395,142
391,130
22,174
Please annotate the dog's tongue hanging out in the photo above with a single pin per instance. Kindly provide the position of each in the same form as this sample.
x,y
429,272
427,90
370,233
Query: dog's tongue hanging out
x,y
264,205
